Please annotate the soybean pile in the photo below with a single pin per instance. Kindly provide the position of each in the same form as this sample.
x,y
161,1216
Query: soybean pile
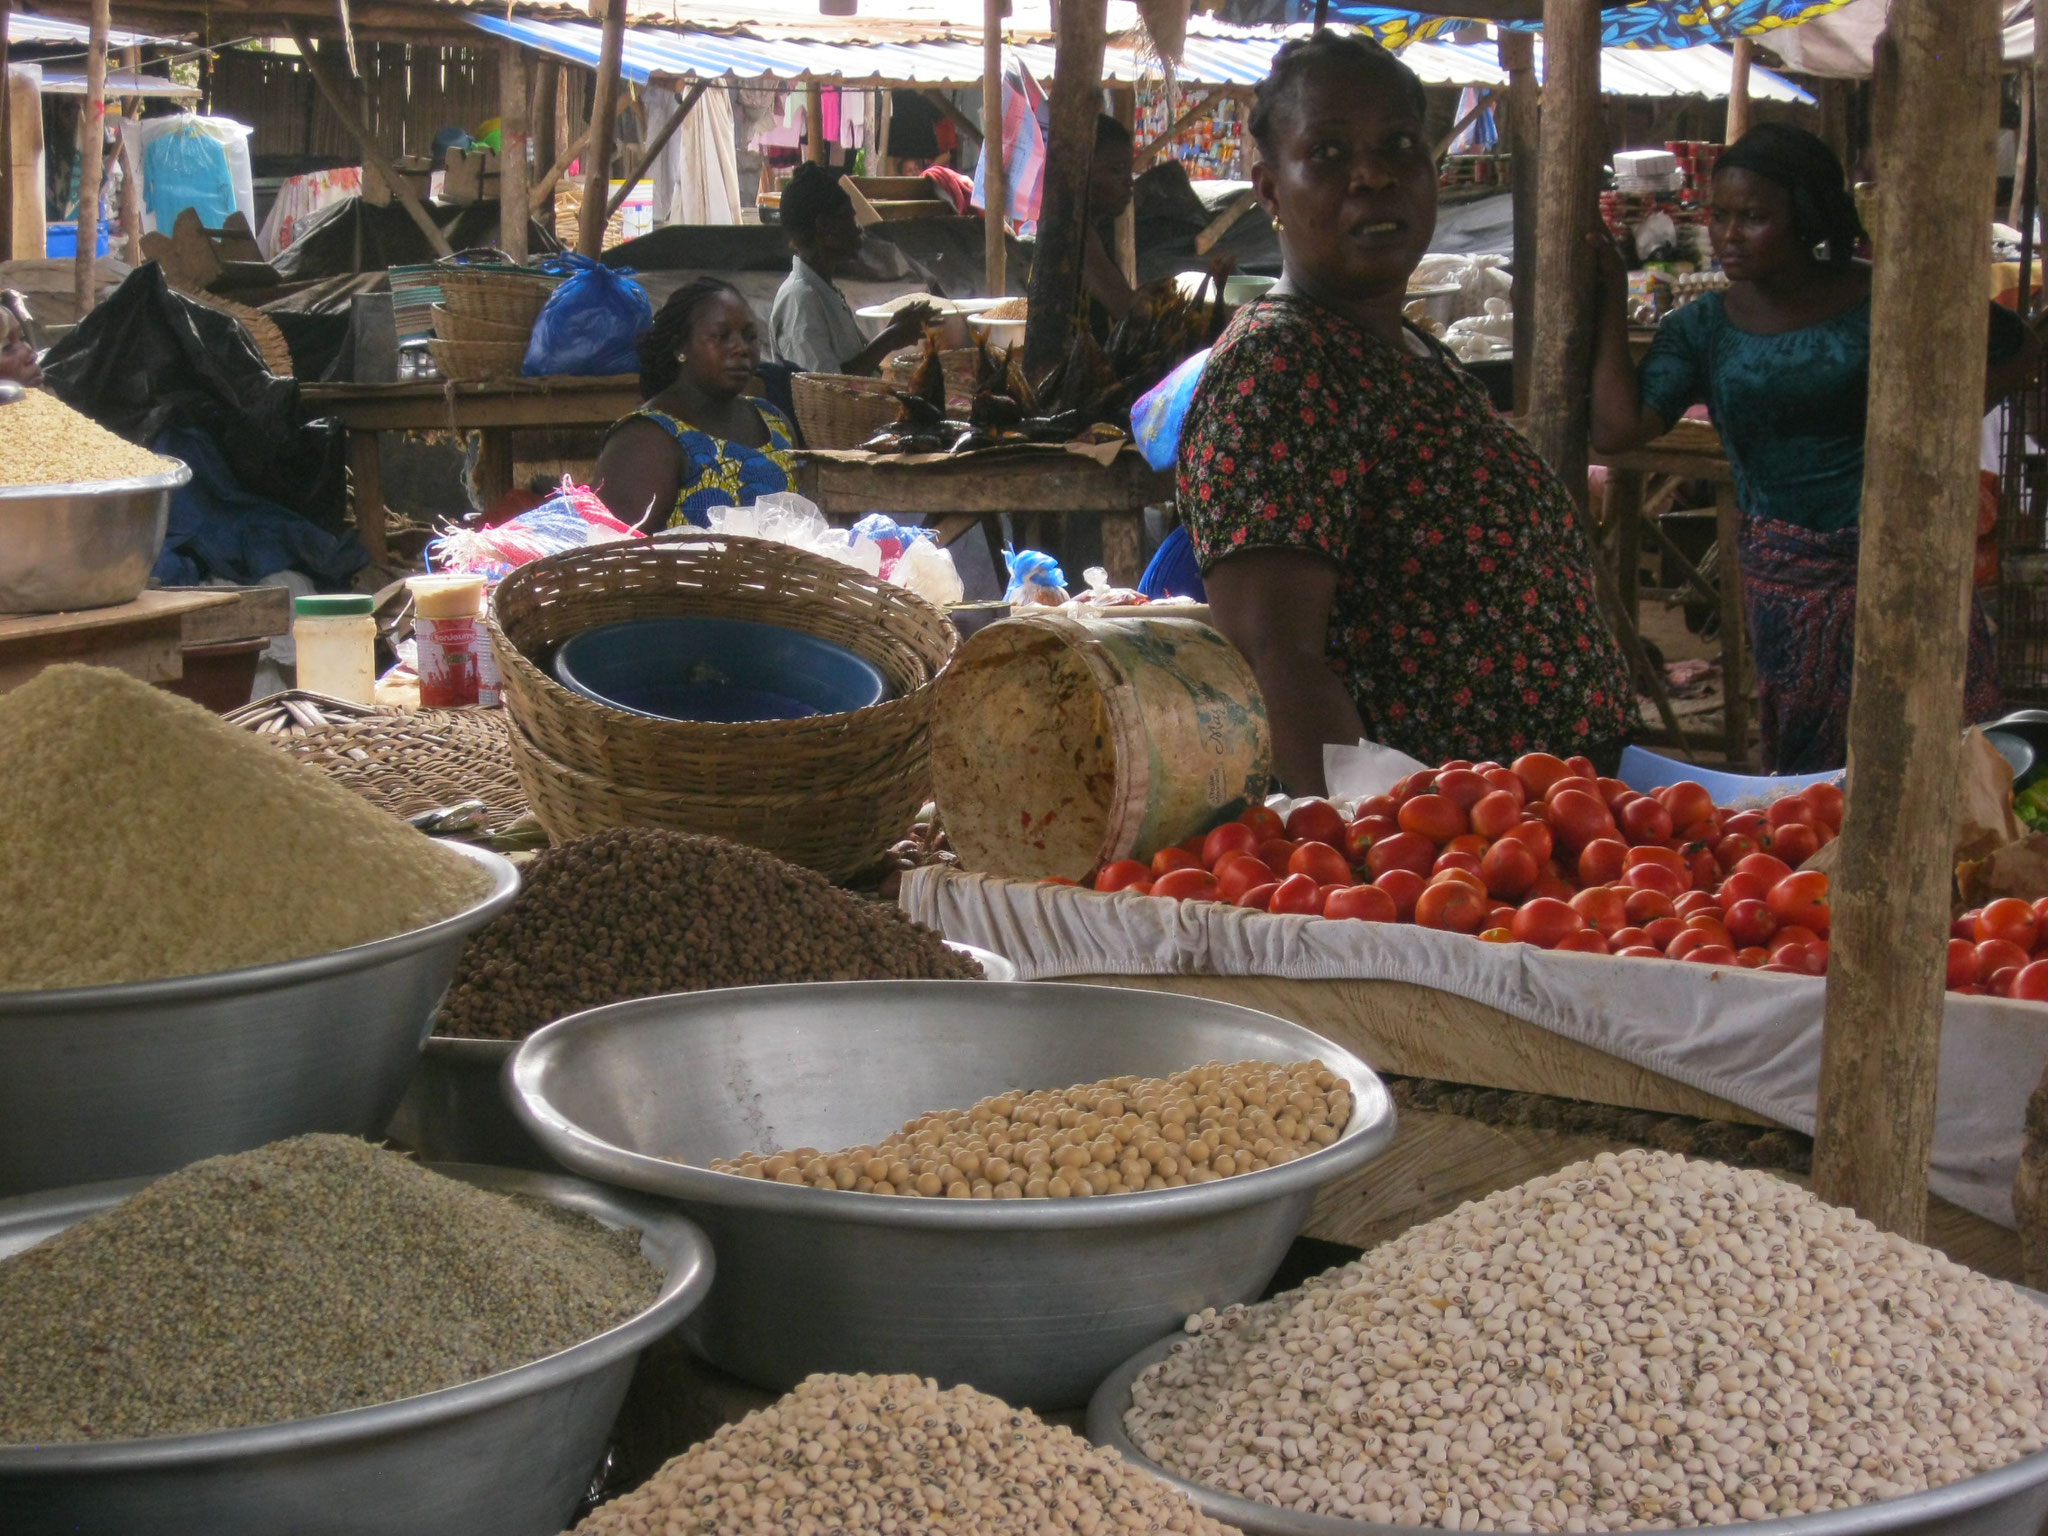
x,y
1113,1137
45,442
893,1453
640,911
1638,1341
146,838
302,1278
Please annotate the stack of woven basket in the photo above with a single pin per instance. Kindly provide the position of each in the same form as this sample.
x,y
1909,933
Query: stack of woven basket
x,y
484,321
831,792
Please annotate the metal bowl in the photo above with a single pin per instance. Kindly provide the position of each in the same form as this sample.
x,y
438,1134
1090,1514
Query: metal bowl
x,y
2011,1501
507,1455
1032,1300
141,1078
456,1108
64,547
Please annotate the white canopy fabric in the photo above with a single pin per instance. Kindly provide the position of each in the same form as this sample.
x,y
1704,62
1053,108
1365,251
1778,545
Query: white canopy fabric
x,y
1841,44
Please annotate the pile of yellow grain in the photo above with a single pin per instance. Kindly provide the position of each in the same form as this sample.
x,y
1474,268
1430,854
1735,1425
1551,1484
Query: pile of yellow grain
x,y
45,442
1009,309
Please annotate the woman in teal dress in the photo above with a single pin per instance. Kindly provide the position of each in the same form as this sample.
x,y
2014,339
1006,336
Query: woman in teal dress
x,y
1781,360
699,442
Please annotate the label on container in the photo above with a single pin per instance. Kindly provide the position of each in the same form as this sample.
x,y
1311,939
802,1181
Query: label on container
x,y
449,652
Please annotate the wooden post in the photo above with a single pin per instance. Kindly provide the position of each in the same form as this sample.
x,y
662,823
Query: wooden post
x,y
1062,218
1524,129
340,99
7,142
92,130
512,141
1124,101
1837,99
814,122
543,191
2023,161
1560,355
1881,1043
995,170
651,150
604,112
1738,89
131,183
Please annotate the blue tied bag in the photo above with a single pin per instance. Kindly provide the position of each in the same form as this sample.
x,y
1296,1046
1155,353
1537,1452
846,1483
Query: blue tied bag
x,y
1157,417
591,324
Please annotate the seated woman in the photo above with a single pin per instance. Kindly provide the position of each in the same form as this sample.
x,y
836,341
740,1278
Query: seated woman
x,y
1392,558
699,441
811,324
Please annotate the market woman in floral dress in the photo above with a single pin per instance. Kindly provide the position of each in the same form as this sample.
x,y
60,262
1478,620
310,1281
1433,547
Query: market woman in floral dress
x,y
1394,560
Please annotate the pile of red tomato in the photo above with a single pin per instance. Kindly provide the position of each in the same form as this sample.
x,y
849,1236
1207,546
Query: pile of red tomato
x,y
1545,852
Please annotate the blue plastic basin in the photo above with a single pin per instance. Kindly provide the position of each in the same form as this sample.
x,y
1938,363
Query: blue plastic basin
x,y
1646,771
721,670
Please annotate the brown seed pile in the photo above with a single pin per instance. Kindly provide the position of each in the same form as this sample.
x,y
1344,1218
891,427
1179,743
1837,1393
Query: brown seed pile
x,y
302,1278
45,442
144,837
1109,1138
859,1454
637,912
1009,309
1640,1341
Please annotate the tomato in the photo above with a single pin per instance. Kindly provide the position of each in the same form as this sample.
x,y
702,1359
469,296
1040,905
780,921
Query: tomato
x,y
1712,927
1543,922
1297,894
1755,958
1599,862
1669,858
1554,888
1660,931
1962,962
1193,845
1454,905
1999,983
1826,800
1238,873
1710,954
1461,786
1795,933
1358,841
1578,818
1231,837
1186,884
1965,927
1686,940
1655,877
1604,908
1740,887
1584,942
1509,868
1786,810
1456,862
1508,782
1121,875
1377,805
1415,784
1539,770
2041,913
1058,880
2009,918
2031,985
1614,794
1537,834
1471,843
1260,897
1265,822
1325,892
1645,907
1994,955
1640,952
1321,863
1496,936
1435,817
1275,852
1456,762
1361,903
1743,823
1687,802
1404,885
1795,843
1404,850
1733,849
1462,876
1643,820
1802,898
1751,923
1315,821
1582,766
1694,901
1167,860
1502,914
1766,868
1624,938
1493,813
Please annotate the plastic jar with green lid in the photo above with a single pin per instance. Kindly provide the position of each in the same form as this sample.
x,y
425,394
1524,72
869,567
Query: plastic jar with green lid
x,y
336,636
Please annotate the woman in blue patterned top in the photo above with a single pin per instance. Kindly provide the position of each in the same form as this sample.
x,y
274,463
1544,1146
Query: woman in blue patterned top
x,y
699,442
1781,360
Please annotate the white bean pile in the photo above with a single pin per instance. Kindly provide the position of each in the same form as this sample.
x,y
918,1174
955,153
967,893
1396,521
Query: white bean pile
x,y
1638,1342
858,1455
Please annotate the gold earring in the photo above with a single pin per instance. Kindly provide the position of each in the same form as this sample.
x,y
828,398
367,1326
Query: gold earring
x,y
1278,227
682,357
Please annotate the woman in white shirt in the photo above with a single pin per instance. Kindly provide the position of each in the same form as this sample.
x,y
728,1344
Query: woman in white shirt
x,y
811,325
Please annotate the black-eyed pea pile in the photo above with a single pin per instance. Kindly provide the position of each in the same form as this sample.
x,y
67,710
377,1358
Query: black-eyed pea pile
x,y
1113,1137
872,1454
1640,1341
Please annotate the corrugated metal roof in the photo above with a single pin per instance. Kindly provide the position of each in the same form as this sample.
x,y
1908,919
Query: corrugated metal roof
x,y
119,83
23,29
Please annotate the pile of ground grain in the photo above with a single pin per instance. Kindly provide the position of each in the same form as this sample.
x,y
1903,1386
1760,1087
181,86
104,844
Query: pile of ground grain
x,y
638,911
142,837
302,1278
45,442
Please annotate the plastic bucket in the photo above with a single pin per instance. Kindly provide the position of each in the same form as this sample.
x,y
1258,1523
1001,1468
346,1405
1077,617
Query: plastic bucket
x,y
60,241
1062,744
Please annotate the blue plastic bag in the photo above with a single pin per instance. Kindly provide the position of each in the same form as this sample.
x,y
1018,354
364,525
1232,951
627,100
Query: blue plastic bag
x,y
591,325
187,168
1035,577
1156,418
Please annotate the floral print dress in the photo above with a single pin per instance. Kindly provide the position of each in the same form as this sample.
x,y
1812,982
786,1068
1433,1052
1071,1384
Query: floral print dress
x,y
1464,621
717,472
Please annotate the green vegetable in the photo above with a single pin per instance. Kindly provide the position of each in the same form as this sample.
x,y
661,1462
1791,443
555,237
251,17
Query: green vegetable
x,y
2031,804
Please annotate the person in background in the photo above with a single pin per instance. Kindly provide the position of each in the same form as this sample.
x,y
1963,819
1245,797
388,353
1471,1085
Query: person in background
x,y
1109,194
17,357
811,325
1394,560
699,441
1781,360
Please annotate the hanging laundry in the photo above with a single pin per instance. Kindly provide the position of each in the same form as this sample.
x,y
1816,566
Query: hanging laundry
x,y
1027,124
696,175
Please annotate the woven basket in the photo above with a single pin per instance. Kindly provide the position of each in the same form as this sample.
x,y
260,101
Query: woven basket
x,y
451,325
840,410
471,360
501,298
831,792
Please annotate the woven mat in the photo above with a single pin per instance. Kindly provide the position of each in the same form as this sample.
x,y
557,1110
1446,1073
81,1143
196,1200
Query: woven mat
x,y
404,761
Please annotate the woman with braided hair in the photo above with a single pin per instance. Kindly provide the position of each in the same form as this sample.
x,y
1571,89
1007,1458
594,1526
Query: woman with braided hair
x,y
699,441
1781,359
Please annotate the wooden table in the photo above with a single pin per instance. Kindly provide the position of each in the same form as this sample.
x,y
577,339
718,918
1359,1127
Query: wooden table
x,y
961,493
145,638
495,410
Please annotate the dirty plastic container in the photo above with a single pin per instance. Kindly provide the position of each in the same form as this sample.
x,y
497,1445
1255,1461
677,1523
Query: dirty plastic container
x,y
336,636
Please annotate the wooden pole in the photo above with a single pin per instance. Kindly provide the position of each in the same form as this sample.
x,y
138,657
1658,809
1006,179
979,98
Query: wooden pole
x,y
1881,1043
513,137
1567,206
604,111
340,100
814,122
1124,100
7,141
1738,89
1836,101
92,129
544,190
651,151
995,170
1524,129
2023,160
1062,219
131,183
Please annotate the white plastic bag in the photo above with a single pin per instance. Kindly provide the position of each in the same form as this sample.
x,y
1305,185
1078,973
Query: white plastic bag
x,y
787,518
928,571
